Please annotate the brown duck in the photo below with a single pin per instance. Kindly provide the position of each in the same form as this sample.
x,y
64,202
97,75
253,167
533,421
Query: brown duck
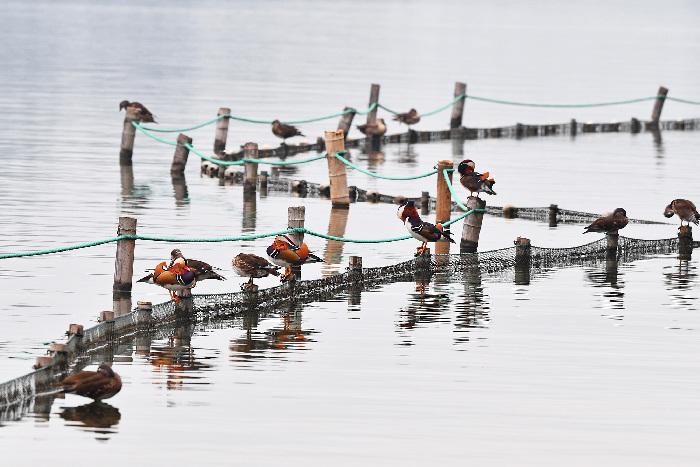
x,y
684,209
98,385
609,223
145,115
377,128
284,131
254,267
409,118
202,270
474,181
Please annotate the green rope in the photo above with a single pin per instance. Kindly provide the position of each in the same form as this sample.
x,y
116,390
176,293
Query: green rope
x,y
531,104
684,101
455,197
432,112
60,249
385,177
180,130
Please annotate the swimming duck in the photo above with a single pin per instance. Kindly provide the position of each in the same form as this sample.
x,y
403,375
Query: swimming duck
x,y
285,253
145,115
409,118
254,267
202,270
474,181
175,278
284,131
98,385
422,231
684,209
377,128
609,223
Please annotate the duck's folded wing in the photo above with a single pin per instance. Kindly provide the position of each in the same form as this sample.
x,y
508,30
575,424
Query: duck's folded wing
x,y
427,231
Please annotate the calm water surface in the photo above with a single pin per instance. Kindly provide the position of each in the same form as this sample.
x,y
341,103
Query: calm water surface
x,y
579,367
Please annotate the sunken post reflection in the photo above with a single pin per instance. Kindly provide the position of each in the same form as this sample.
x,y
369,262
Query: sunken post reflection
x,y
176,359
680,280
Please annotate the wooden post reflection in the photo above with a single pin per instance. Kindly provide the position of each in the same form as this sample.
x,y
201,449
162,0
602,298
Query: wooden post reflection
x,y
249,218
121,304
333,252
127,180
180,189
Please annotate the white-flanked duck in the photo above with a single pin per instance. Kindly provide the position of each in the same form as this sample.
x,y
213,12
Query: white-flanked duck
x,y
285,253
202,271
474,181
422,231
175,278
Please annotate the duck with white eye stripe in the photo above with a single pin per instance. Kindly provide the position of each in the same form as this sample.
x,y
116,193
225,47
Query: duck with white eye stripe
x,y
424,232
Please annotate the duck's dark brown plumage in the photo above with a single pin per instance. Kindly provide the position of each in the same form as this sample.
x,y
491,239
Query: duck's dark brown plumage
x,y
377,128
253,266
145,115
98,385
684,209
202,270
409,118
284,131
610,223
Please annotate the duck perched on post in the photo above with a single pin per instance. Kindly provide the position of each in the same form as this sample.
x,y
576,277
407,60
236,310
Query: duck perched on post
x,y
423,231
285,253
377,128
409,118
145,115
175,278
609,223
284,131
98,385
254,267
202,271
684,209
474,181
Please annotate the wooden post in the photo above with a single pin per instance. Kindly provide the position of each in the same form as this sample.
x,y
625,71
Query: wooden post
x,y
458,106
250,180
425,203
523,259
124,262
553,211
611,247
345,122
355,272
221,131
145,310
472,226
635,126
573,127
685,243
443,207
658,105
373,99
295,220
128,135
177,168
107,315
335,142
75,329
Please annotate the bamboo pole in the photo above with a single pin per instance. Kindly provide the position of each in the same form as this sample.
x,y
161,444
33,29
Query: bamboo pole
x,y
443,207
335,142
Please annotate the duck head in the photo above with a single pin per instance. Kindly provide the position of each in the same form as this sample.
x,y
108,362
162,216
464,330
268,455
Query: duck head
x,y
407,209
620,212
466,166
175,254
668,212
106,370
123,105
275,122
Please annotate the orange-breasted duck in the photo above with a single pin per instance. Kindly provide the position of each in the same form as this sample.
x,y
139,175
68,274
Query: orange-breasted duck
x,y
284,131
609,223
409,118
145,115
377,128
474,181
254,267
202,271
422,231
98,385
285,253
684,209
175,278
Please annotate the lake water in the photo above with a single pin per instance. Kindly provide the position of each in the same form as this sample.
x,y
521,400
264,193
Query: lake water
x,y
575,368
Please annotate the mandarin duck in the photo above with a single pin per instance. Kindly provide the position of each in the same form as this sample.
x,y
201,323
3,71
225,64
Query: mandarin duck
x,y
409,118
145,115
684,209
377,128
285,253
284,131
202,271
175,278
422,231
474,181
609,223
254,267
98,385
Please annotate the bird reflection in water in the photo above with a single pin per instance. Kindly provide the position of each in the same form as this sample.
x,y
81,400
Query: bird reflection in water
x,y
609,278
680,280
177,361
375,159
97,417
407,155
424,307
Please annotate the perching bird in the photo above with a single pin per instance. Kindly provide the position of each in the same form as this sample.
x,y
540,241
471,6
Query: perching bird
x,y
378,128
98,385
284,131
474,181
202,271
683,208
422,231
609,223
409,118
145,115
253,266
176,278
285,253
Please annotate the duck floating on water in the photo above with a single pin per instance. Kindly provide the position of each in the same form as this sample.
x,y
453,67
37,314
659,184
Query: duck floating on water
x,y
423,231
684,209
474,181
284,131
202,271
98,385
378,128
409,118
175,278
609,223
145,115
285,253
254,267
